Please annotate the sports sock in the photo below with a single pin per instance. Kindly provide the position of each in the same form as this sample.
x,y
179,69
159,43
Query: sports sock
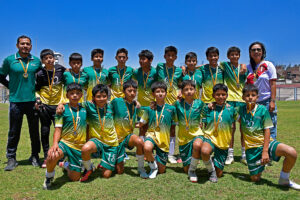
x,y
140,159
143,138
153,165
172,146
243,152
87,164
50,174
284,175
194,163
209,165
230,152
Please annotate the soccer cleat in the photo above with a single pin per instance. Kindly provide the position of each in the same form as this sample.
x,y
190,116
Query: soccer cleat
x,y
172,159
34,161
44,164
11,164
229,160
47,183
289,183
213,177
243,160
153,173
143,173
87,173
193,176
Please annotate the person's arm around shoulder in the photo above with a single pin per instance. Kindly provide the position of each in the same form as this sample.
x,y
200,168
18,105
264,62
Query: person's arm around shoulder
x,y
4,70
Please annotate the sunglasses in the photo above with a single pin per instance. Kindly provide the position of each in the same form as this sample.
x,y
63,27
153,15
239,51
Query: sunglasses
x,y
257,49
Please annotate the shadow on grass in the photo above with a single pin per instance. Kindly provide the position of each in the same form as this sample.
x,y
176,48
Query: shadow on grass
x,y
60,181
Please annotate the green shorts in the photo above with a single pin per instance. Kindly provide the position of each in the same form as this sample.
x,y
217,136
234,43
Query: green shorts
x,y
220,155
109,154
74,156
161,156
121,148
253,155
187,150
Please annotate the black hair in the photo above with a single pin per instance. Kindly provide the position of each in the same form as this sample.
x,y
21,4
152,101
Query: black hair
x,y
187,82
75,56
46,52
146,53
190,55
122,50
23,37
74,86
220,86
130,83
250,88
170,49
233,49
95,51
100,88
211,50
159,84
264,53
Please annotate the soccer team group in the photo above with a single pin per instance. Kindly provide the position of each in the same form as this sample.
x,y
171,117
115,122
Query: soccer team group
x,y
155,100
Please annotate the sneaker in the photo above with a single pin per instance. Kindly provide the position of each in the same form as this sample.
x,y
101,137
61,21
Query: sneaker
x,y
143,173
34,161
243,160
44,164
172,159
153,173
11,164
213,177
288,183
192,176
229,160
47,183
179,160
86,175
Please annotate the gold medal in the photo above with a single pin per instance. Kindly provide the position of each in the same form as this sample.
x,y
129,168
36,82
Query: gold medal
x,y
237,77
170,89
187,128
170,81
97,79
216,122
158,119
187,119
130,117
121,79
99,116
145,81
75,123
50,82
157,129
73,76
25,75
214,79
238,86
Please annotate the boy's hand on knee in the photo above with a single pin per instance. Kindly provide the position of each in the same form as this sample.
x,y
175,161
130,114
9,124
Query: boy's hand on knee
x,y
265,158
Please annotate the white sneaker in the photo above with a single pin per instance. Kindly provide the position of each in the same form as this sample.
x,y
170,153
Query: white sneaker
x,y
193,176
229,160
289,183
143,173
153,173
172,159
243,160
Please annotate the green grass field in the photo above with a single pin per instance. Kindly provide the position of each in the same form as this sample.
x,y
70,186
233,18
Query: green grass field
x,y
25,182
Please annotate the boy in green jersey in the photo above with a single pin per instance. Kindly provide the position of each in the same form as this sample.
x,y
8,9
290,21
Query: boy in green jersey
x,y
190,135
69,137
191,73
235,75
217,132
171,75
160,120
119,74
145,76
74,75
212,74
95,74
260,148
125,114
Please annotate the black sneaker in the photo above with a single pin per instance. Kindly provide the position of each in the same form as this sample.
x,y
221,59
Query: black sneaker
x,y
11,164
34,161
47,183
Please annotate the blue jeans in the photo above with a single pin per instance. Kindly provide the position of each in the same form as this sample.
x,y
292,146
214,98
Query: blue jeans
x,y
273,115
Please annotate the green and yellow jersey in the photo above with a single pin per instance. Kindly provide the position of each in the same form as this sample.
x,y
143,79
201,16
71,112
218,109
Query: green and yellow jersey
x,y
218,125
49,85
210,77
73,123
196,76
70,77
189,118
117,78
101,123
234,81
253,124
160,121
145,80
125,115
171,76
94,76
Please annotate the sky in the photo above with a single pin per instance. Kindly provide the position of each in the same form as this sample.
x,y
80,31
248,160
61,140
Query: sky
x,y
194,25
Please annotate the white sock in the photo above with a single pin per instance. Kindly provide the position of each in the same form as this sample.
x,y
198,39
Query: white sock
x,y
152,165
50,174
172,146
230,152
284,175
209,165
140,159
87,164
143,138
243,152
194,163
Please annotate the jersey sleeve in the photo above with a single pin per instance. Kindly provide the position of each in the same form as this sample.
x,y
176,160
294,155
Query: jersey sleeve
x,y
58,121
267,121
272,71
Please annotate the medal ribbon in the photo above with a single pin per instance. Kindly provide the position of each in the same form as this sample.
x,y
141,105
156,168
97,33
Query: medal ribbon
x,y
252,113
192,76
50,83
77,117
216,123
130,117
187,120
73,76
97,80
214,80
99,116
158,120
237,77
27,65
121,79
145,82
167,70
